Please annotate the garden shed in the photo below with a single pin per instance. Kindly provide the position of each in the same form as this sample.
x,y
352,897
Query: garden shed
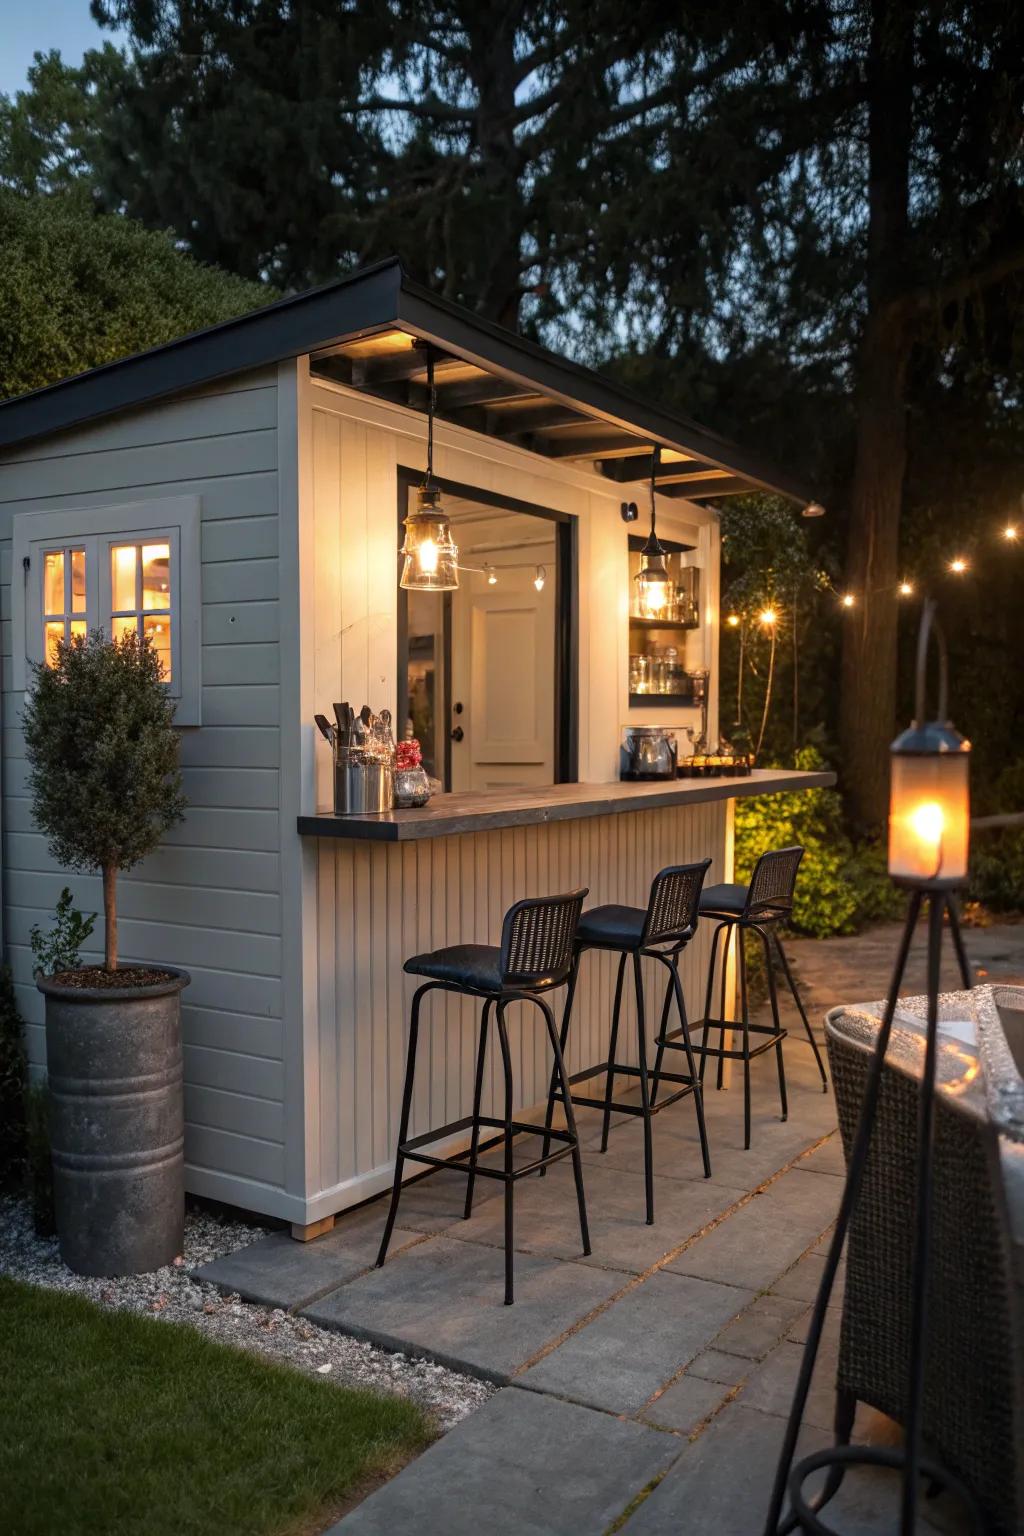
x,y
239,496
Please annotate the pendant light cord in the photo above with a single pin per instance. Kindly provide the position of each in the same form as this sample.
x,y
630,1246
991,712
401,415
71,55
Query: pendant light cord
x,y
431,408
655,462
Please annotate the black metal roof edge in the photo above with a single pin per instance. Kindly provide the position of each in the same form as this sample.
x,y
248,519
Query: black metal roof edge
x,y
287,328
368,300
548,370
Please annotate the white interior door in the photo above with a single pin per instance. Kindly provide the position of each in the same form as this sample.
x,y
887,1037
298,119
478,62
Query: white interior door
x,y
503,671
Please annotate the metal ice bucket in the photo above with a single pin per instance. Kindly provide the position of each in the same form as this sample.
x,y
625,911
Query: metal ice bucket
x,y
362,786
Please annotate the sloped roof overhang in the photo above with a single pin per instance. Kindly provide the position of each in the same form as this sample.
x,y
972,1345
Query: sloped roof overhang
x,y
370,331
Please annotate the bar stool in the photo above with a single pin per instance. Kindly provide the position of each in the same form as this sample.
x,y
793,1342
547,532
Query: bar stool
x,y
661,932
760,907
535,956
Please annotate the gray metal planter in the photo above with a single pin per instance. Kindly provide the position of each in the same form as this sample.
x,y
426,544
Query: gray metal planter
x,y
117,1124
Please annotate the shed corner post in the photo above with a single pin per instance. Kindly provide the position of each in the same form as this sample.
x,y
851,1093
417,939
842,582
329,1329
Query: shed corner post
x,y
297,790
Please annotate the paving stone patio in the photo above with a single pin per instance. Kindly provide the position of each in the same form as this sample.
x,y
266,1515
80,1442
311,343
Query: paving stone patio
x,y
646,1386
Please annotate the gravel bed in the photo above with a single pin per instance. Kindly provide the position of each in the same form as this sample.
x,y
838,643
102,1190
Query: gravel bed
x,y
172,1295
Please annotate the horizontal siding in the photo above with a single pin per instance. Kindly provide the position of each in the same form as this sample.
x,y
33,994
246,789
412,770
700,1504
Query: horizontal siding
x,y
380,903
208,899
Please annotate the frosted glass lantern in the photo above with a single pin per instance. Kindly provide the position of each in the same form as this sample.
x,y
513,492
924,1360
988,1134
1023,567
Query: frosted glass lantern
x,y
929,807
431,556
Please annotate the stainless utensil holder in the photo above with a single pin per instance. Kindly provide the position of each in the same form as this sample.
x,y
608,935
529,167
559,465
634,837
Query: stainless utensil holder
x,y
362,786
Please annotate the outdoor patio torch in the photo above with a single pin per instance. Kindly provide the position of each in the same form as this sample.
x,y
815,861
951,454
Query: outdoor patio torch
x,y
928,842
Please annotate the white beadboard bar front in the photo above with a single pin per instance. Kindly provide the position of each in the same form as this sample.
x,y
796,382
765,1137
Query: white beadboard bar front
x,y
379,902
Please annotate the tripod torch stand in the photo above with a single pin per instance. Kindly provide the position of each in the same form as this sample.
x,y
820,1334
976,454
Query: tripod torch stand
x,y
928,841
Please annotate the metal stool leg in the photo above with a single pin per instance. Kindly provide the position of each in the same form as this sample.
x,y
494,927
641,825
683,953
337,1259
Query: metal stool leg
x,y
403,1125
709,993
774,996
645,1097
506,1060
698,1086
612,1044
477,1096
745,1014
666,1007
729,934
563,1041
570,1119
801,1010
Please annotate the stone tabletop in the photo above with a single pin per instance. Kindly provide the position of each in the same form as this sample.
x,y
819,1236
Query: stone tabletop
x,y
482,810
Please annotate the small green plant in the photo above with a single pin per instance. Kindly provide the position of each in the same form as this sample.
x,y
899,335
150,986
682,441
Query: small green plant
x,y
103,760
12,1085
60,949
40,1163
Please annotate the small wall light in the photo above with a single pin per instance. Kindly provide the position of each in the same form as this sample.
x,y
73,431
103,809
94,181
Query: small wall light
x,y
540,578
492,575
906,589
1010,531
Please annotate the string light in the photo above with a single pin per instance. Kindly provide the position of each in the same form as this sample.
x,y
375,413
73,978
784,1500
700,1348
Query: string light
x,y
958,565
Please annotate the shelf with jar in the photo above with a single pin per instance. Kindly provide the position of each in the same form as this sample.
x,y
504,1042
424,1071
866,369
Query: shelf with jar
x,y
661,615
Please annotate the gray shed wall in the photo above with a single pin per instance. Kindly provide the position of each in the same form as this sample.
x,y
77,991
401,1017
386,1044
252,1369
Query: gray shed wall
x,y
210,898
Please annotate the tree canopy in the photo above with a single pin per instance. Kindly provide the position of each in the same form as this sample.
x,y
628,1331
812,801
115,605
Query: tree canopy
x,y
78,289
801,220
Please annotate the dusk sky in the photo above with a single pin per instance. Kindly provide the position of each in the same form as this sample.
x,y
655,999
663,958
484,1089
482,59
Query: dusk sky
x,y
28,27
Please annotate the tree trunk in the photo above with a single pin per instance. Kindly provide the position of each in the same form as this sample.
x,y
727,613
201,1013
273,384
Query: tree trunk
x,y
110,917
868,680
492,35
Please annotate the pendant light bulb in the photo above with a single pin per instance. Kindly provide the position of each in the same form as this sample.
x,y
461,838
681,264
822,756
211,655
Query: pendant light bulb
x,y
655,588
540,578
430,553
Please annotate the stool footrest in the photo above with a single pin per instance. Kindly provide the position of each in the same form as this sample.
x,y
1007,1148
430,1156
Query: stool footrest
x,y
772,1038
458,1161
617,1106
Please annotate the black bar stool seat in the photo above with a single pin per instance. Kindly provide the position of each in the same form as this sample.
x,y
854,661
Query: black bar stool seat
x,y
728,899
759,907
660,931
476,967
536,954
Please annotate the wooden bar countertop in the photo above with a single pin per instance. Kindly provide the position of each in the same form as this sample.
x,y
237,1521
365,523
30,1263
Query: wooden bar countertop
x,y
482,810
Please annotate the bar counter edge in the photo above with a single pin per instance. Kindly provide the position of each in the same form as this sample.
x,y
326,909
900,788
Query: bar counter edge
x,y
481,810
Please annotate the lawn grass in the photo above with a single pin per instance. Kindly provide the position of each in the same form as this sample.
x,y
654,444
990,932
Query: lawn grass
x,y
127,1426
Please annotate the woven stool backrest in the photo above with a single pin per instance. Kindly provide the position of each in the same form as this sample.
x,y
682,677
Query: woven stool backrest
x,y
537,939
770,892
673,902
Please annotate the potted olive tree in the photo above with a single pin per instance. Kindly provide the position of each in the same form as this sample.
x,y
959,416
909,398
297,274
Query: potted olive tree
x,y
105,786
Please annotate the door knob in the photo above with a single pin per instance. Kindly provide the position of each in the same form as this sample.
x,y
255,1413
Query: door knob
x,y
458,733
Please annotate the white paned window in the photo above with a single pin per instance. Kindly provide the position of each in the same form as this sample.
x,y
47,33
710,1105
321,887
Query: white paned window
x,y
63,598
119,569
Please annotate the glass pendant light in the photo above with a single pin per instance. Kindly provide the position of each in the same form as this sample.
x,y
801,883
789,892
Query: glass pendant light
x,y
430,553
653,582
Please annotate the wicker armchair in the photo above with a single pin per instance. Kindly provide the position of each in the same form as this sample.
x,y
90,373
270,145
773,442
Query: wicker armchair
x,y
974,1378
